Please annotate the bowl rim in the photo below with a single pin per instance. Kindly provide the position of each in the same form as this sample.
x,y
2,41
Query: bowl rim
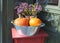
x,y
42,25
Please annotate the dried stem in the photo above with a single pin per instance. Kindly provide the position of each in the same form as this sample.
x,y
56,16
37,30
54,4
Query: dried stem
x,y
19,15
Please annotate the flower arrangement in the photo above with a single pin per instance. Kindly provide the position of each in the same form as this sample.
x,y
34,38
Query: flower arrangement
x,y
28,9
28,26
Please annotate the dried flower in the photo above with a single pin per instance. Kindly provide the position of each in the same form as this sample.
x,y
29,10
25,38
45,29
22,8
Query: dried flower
x,y
38,8
25,5
28,9
19,9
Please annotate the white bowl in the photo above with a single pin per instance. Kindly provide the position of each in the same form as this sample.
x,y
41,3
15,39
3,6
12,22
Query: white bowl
x,y
27,30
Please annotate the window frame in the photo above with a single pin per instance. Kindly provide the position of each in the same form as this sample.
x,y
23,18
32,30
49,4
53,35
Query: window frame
x,y
53,8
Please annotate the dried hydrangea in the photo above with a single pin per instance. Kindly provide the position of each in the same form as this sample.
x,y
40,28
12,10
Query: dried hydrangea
x,y
28,8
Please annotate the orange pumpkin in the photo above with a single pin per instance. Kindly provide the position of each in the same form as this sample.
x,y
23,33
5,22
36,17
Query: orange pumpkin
x,y
21,22
35,22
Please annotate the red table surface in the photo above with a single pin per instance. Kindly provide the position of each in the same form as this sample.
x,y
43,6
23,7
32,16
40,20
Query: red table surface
x,y
41,33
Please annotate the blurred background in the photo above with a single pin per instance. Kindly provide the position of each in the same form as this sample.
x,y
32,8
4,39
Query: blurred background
x,y
50,16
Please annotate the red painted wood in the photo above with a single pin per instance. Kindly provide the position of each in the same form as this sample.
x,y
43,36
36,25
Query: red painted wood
x,y
15,34
39,37
29,40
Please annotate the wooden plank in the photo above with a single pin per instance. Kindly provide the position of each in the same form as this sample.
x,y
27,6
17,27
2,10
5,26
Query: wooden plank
x,y
7,16
0,21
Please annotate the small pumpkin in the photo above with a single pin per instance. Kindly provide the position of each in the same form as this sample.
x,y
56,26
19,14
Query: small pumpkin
x,y
21,22
35,21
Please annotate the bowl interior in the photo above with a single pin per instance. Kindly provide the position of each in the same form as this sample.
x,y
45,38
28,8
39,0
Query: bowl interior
x,y
27,30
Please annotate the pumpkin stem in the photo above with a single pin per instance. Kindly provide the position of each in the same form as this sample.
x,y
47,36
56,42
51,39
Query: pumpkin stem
x,y
19,15
34,14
